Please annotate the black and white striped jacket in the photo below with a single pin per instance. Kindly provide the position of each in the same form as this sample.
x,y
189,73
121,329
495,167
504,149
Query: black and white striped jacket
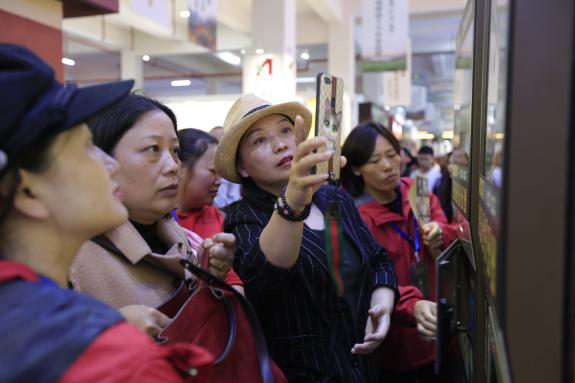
x,y
309,330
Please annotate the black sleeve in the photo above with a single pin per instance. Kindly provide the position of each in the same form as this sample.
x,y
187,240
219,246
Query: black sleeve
x,y
251,264
383,270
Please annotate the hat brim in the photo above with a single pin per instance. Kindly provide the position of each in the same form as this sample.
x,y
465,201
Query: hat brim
x,y
226,152
91,100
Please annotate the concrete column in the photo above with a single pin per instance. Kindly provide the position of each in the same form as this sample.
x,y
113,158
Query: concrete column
x,y
211,86
341,62
272,74
132,67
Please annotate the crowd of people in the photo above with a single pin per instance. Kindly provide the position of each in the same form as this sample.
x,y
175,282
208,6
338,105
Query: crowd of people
x,y
102,198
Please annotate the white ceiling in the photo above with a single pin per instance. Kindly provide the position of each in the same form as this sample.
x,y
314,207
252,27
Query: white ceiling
x,y
96,42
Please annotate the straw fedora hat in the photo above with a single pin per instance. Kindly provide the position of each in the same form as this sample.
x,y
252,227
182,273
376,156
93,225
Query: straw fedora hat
x,y
244,113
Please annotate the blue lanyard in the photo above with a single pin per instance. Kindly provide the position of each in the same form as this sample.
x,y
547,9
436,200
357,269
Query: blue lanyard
x,y
46,281
175,216
415,244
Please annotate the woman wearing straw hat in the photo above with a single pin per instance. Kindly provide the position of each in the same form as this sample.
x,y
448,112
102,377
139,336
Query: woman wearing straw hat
x,y
315,331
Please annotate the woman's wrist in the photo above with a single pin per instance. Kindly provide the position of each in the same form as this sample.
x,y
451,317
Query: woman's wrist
x,y
294,203
383,296
288,212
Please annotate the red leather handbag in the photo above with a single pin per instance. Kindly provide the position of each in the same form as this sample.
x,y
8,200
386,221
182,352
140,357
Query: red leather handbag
x,y
211,314
219,319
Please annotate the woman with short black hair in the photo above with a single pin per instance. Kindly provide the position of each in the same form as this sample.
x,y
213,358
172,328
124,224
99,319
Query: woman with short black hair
x,y
140,133
199,184
372,176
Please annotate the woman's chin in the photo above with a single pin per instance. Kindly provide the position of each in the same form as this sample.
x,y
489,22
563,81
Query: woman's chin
x,y
119,217
165,208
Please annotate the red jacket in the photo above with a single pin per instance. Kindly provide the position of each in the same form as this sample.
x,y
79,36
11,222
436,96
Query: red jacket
x,y
403,349
207,222
79,339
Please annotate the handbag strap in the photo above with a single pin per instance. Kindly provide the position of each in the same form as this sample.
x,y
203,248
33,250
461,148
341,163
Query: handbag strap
x,y
261,346
105,242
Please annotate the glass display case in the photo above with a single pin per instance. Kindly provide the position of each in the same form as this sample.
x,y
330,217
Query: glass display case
x,y
493,136
463,91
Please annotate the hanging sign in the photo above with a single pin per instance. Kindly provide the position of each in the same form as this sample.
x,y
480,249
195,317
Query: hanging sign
x,y
202,23
397,84
385,34
157,11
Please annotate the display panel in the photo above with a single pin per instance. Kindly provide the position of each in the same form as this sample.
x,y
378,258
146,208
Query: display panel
x,y
462,110
456,293
496,363
491,182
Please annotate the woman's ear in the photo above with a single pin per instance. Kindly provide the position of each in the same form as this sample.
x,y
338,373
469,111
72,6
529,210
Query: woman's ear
x,y
241,170
27,201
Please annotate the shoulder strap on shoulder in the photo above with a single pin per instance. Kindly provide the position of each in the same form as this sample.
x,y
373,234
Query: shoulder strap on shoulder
x,y
105,242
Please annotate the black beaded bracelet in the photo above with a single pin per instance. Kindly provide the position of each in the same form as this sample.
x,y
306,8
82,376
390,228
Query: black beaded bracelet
x,y
286,212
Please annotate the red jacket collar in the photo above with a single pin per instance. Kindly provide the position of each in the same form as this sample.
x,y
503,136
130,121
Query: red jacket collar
x,y
382,215
10,270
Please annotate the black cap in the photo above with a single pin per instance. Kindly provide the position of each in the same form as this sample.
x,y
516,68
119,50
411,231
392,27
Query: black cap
x,y
33,104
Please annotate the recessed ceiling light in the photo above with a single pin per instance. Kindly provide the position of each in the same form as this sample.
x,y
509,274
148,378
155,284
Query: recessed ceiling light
x,y
146,57
305,80
260,51
185,14
304,56
229,57
181,83
67,61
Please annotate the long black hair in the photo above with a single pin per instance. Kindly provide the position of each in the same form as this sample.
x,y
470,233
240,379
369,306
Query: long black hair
x,y
193,144
110,126
358,148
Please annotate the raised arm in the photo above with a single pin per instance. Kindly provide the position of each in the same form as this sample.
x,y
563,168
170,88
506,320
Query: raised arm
x,y
281,239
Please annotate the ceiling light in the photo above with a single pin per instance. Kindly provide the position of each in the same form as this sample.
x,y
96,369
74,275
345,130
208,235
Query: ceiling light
x,y
305,80
304,56
447,135
243,52
146,57
229,57
259,51
181,83
423,135
387,108
67,61
185,14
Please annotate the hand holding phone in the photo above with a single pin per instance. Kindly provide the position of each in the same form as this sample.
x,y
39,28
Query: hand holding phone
x,y
329,105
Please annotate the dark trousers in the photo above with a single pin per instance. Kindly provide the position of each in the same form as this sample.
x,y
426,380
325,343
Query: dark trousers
x,y
422,375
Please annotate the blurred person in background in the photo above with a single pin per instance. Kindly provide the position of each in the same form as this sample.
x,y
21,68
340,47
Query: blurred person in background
x,y
228,192
372,176
443,187
313,334
56,191
140,134
408,163
198,186
427,166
